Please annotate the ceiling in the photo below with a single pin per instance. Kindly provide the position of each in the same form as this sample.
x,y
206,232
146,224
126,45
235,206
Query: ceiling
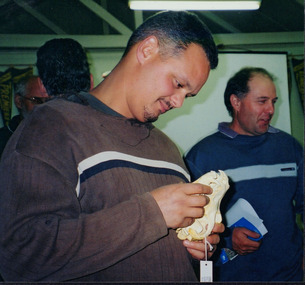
x,y
28,19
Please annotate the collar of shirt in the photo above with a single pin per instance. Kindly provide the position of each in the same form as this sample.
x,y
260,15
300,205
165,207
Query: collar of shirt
x,y
224,128
99,105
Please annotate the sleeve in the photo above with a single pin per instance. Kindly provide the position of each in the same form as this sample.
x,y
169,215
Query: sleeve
x,y
4,137
44,235
299,197
195,162
195,172
201,159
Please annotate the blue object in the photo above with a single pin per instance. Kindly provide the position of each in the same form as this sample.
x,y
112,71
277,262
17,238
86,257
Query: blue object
x,y
244,223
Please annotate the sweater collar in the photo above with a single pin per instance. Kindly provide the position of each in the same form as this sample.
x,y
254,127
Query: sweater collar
x,y
130,131
224,128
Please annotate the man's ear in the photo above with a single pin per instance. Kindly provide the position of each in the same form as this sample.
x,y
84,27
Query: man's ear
x,y
42,89
18,101
235,102
147,48
91,82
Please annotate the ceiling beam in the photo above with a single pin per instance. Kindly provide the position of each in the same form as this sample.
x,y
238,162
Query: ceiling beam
x,y
106,16
53,27
301,2
220,22
21,41
260,38
3,2
106,29
10,41
138,17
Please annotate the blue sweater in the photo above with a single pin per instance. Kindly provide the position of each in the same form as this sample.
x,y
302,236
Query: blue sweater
x,y
267,171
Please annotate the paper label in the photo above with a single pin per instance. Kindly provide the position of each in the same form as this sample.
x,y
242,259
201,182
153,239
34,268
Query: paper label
x,y
227,255
206,271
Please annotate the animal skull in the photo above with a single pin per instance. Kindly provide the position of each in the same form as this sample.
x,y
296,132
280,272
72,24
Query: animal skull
x,y
202,227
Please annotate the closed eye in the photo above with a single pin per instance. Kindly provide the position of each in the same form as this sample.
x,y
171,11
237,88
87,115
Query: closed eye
x,y
262,101
179,85
190,96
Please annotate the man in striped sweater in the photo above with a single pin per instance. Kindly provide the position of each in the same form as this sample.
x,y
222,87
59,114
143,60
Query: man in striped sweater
x,y
265,166
91,191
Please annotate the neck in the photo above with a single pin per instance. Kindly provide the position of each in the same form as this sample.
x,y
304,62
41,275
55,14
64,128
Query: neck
x,y
113,91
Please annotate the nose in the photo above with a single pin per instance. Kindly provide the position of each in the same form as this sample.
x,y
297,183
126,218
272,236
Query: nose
x,y
177,100
270,108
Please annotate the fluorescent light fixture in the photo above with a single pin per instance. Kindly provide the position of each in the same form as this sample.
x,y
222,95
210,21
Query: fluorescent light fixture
x,y
194,4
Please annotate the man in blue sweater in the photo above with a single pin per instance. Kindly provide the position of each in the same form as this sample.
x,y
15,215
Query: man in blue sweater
x,y
265,166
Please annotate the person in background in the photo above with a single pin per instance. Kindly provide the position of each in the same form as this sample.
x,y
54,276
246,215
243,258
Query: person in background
x,y
265,166
28,94
106,189
63,67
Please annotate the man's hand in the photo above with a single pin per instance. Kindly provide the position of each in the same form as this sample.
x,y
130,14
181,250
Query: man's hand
x,y
242,244
197,248
180,204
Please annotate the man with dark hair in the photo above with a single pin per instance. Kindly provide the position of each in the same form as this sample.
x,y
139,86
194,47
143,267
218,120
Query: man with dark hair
x,y
28,93
265,166
107,189
63,67
173,40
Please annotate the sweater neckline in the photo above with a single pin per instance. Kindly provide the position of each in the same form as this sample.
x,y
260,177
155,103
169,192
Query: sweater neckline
x,y
224,128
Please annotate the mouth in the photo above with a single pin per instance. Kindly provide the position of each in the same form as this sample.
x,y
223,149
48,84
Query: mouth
x,y
164,106
266,121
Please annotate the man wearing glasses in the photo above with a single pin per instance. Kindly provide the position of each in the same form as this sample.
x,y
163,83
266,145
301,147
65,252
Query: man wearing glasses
x,y
29,93
63,67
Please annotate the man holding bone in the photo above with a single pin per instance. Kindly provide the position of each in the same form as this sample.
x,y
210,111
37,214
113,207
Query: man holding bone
x,y
100,194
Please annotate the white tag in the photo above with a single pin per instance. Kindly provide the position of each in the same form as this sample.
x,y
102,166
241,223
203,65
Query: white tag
x,y
206,271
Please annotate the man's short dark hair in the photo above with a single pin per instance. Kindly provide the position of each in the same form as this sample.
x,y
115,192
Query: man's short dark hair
x,y
175,32
238,84
63,66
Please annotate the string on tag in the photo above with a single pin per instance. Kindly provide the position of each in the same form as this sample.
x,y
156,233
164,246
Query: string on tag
x,y
206,267
206,243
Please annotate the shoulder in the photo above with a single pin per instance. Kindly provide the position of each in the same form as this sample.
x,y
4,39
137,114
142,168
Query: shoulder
x,y
59,106
51,125
284,138
60,114
161,139
208,143
160,134
285,144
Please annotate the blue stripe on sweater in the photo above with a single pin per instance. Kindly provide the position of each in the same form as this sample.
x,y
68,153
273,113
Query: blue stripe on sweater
x,y
111,159
121,163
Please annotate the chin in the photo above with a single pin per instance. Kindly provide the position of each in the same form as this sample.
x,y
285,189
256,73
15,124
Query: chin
x,y
262,131
151,120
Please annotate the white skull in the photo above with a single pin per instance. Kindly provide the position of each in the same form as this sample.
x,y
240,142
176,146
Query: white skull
x,y
203,226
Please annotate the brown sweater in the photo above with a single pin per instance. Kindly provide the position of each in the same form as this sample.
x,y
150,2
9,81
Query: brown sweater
x,y
75,202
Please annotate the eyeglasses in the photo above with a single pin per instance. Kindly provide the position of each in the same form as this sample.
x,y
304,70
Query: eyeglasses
x,y
37,100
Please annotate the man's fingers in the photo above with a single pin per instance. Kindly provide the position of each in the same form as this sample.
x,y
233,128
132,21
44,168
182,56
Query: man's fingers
x,y
218,228
197,188
198,201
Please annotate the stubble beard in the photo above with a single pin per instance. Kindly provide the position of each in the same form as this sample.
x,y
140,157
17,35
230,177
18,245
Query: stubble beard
x,y
149,116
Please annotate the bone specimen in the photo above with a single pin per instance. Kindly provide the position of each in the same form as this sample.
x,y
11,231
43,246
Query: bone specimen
x,y
202,227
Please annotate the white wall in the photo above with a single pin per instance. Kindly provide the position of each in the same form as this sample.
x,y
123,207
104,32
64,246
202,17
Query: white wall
x,y
199,116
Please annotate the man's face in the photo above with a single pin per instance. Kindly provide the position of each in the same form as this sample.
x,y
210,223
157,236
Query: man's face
x,y
34,96
164,84
255,111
